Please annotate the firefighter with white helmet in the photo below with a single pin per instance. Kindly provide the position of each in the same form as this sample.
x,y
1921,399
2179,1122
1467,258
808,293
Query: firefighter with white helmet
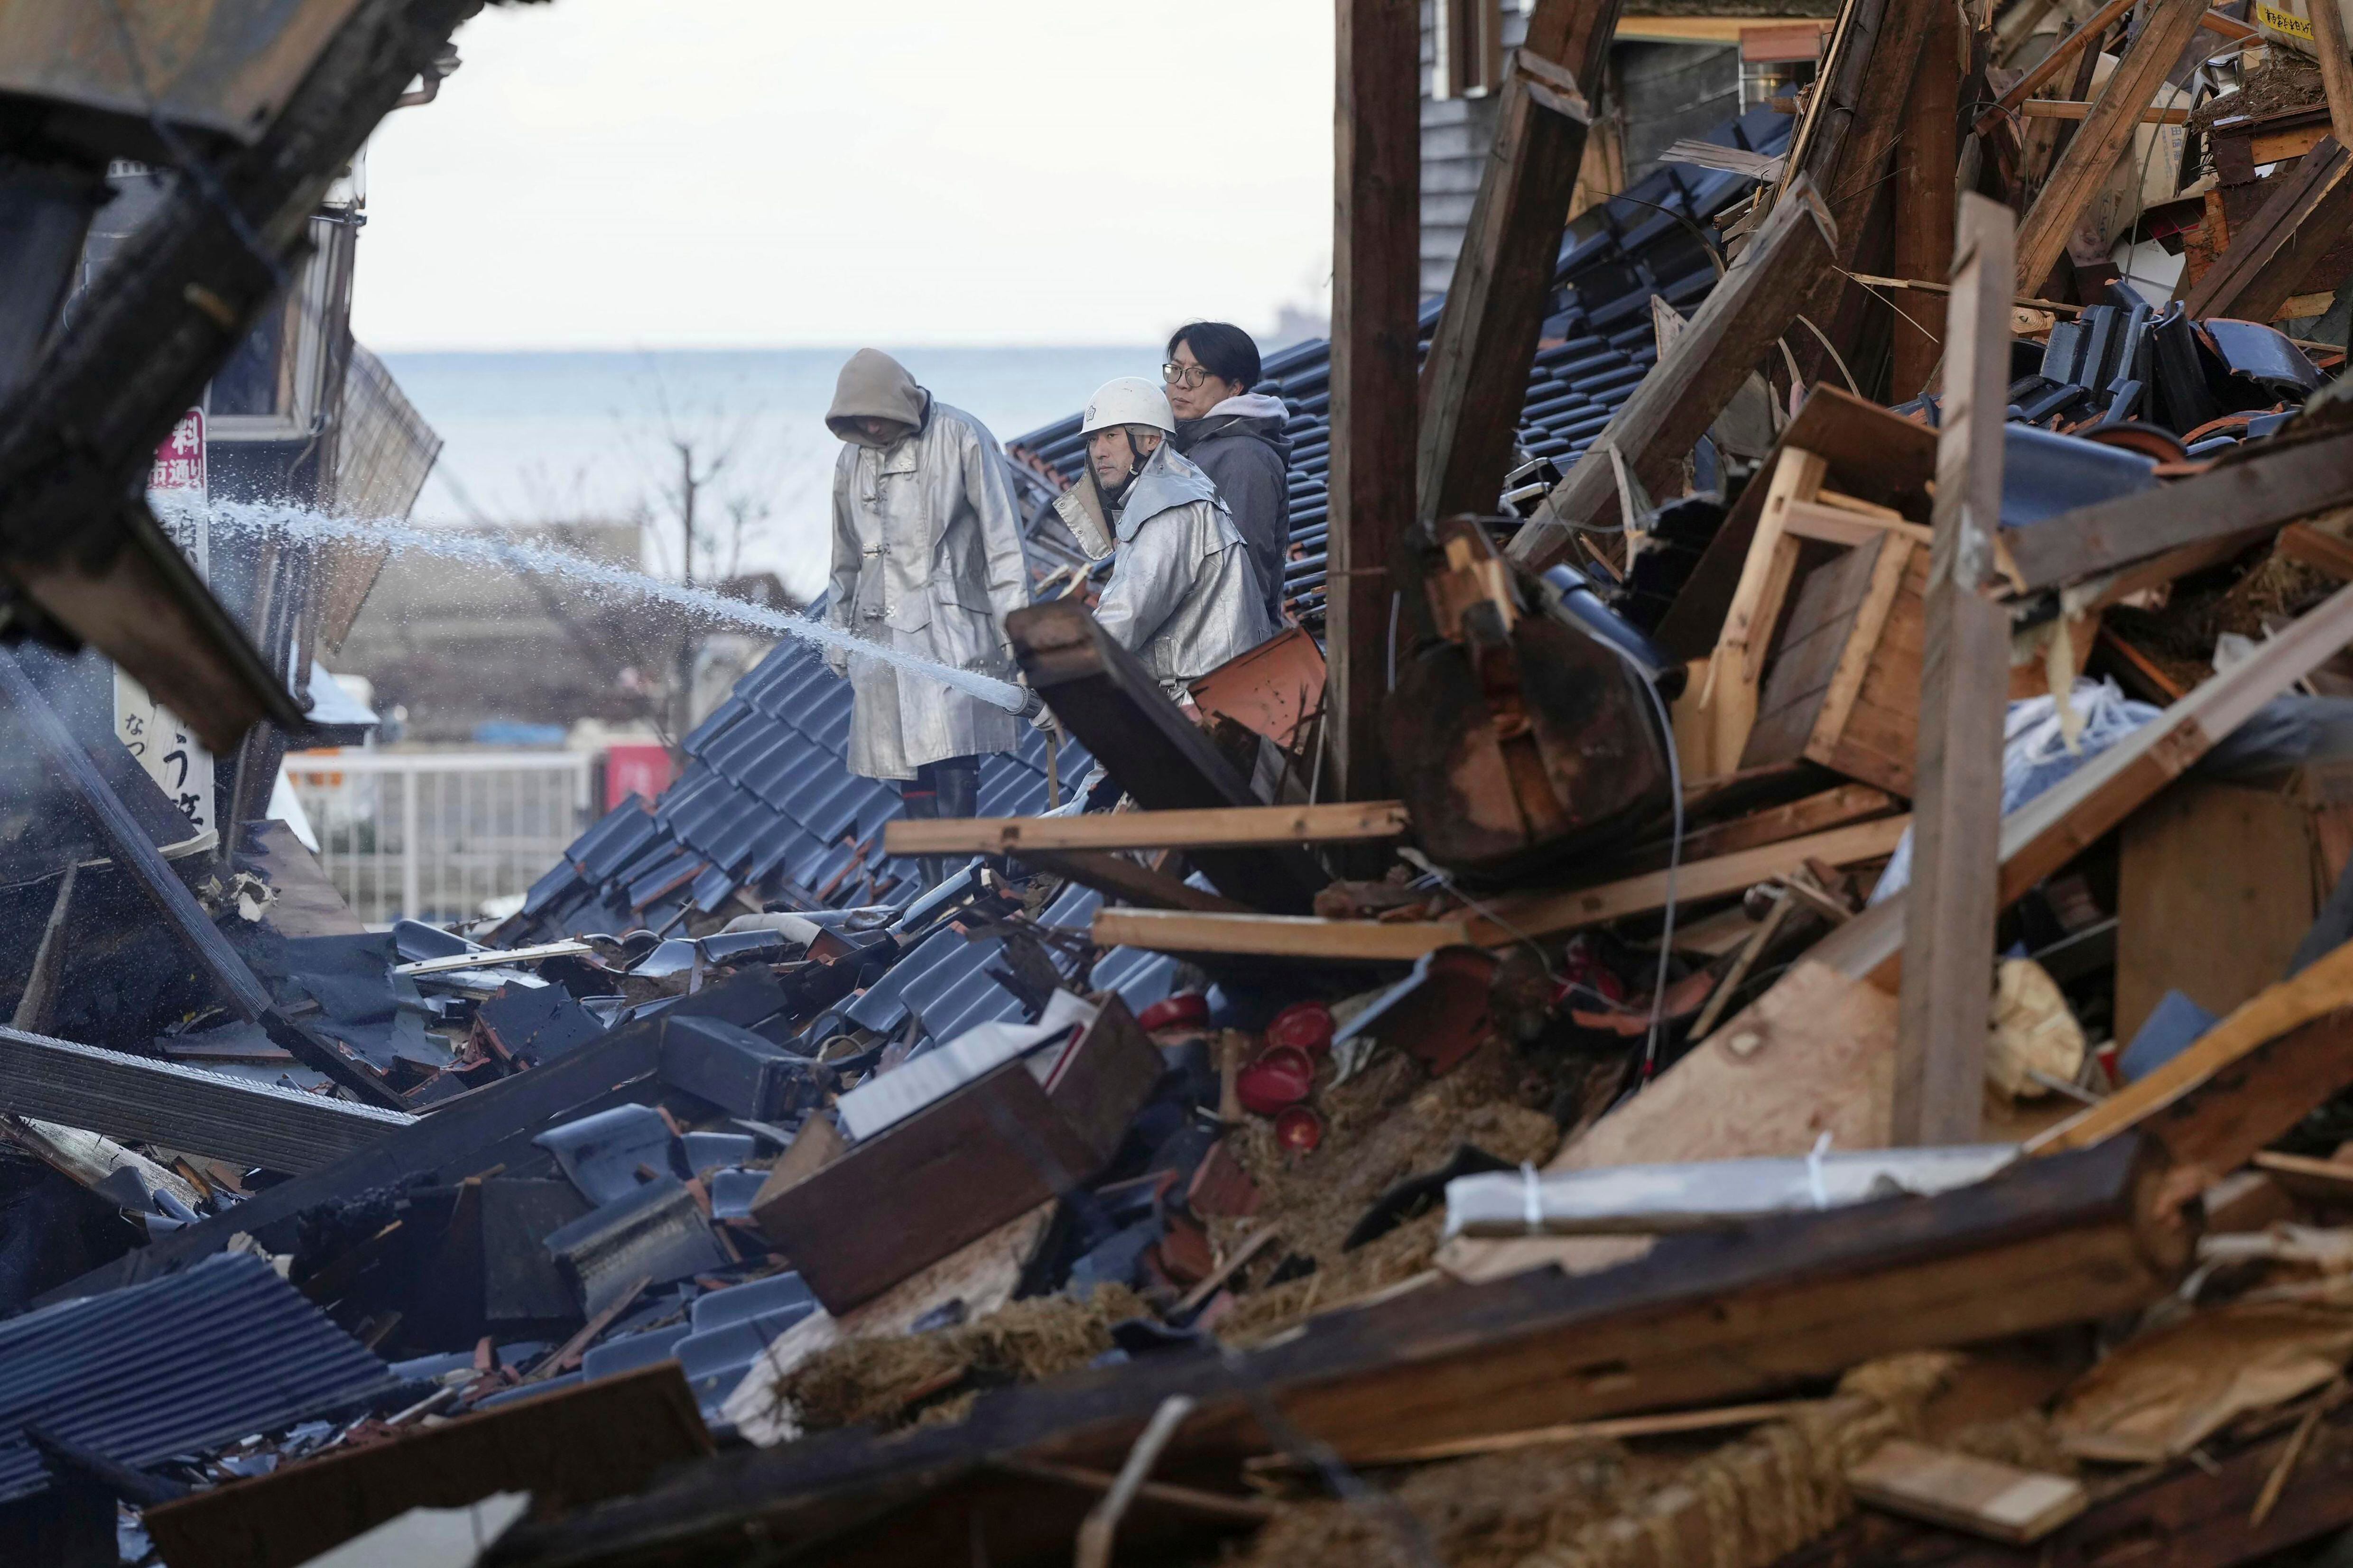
x,y
1183,597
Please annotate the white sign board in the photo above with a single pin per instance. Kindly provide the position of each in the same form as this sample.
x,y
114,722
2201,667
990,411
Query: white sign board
x,y
151,731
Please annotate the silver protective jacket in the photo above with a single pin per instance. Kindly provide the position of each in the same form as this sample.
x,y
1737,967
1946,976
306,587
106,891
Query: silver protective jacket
x,y
927,559
1182,596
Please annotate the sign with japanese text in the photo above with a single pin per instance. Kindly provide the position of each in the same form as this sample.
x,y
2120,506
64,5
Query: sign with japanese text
x,y
165,747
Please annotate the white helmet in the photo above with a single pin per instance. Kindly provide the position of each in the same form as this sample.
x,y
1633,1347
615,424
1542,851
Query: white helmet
x,y
1128,400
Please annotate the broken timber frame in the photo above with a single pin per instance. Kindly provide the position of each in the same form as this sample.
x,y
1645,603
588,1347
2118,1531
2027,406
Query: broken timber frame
x,y
2270,255
74,537
2284,481
1749,308
1376,333
1964,692
1112,705
1494,922
2042,234
2060,823
1701,1319
1476,377
229,975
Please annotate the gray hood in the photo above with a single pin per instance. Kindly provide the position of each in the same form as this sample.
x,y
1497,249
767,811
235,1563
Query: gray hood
x,y
874,385
1169,479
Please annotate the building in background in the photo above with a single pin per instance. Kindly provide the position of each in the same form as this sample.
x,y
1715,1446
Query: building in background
x,y
1677,67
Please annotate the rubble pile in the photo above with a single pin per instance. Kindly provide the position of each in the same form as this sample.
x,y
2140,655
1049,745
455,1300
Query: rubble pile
x,y
1793,1006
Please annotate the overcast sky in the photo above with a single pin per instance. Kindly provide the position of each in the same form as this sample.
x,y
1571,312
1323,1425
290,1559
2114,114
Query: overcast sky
x,y
616,174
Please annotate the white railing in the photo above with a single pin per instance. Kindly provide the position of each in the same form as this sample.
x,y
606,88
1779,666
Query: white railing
x,y
434,835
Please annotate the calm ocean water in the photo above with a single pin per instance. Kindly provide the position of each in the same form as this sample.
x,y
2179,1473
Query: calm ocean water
x,y
556,437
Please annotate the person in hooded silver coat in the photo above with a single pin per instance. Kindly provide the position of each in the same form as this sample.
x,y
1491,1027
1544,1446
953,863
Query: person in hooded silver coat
x,y
927,559
1183,597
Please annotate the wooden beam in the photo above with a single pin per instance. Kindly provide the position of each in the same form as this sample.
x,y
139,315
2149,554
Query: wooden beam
x,y
2301,1022
2323,552
182,1107
2268,489
231,979
1476,377
1832,808
1215,827
1964,693
2066,819
40,992
2270,255
2050,65
1516,915
1743,316
1121,877
1277,936
2165,31
1110,702
1376,327
2335,70
1701,1319
2075,109
1926,160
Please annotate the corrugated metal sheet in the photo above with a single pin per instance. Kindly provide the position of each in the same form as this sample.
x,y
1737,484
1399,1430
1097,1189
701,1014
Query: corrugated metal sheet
x,y
179,1364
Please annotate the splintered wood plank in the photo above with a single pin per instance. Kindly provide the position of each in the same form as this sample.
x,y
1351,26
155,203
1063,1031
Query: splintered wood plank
x,y
2042,234
1276,936
2270,255
1963,694
1476,375
1209,827
1815,1054
1517,915
2064,821
1983,1496
1889,572
1124,879
1729,696
1744,315
2299,1025
1814,814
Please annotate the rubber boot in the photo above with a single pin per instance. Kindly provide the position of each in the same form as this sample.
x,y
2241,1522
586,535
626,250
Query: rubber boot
x,y
918,798
956,781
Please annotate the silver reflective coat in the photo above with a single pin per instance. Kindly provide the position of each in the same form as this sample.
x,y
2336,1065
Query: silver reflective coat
x,y
926,558
1182,596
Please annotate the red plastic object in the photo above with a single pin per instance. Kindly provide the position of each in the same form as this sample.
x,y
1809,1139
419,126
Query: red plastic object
x,y
1278,1077
1306,1025
1299,1129
1185,1010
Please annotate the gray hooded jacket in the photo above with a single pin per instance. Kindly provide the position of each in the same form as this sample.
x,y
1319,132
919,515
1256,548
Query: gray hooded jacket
x,y
1182,596
1240,446
927,559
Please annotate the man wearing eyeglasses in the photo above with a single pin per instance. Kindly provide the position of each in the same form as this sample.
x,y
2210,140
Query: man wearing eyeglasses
x,y
1236,436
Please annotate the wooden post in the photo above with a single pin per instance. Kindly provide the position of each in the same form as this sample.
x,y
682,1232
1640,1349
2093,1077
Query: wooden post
x,y
2335,68
1376,324
1477,376
1948,984
2043,234
1925,161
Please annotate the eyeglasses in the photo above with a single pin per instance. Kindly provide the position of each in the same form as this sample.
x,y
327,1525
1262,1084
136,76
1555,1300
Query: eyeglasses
x,y
1175,374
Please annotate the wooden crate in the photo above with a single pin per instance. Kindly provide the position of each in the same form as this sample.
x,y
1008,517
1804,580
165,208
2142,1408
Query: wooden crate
x,y
900,1201
1845,686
